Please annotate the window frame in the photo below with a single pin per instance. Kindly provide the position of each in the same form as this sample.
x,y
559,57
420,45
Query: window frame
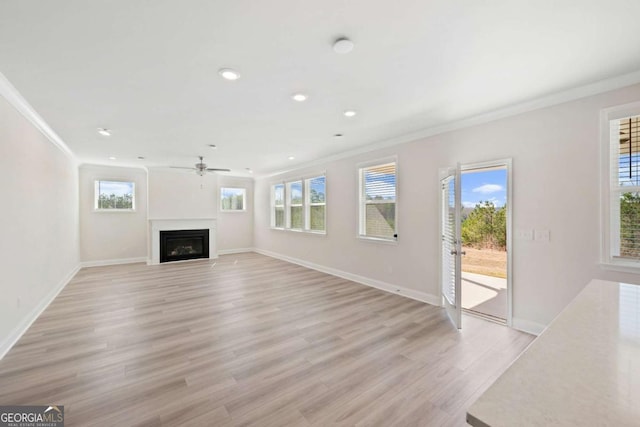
x,y
274,206
96,196
610,232
361,198
305,205
244,200
289,205
308,204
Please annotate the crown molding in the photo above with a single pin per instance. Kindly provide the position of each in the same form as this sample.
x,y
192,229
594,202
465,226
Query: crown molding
x,y
11,94
557,98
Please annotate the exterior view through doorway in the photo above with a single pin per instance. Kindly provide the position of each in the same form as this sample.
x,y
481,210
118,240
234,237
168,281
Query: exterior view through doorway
x,y
485,232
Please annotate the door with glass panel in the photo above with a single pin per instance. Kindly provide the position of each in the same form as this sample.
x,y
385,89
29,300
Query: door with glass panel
x,y
451,248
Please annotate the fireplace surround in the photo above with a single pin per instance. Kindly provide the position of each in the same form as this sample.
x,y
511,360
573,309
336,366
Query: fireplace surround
x,y
164,224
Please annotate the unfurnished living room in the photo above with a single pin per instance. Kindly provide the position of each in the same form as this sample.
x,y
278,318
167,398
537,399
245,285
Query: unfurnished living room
x,y
290,213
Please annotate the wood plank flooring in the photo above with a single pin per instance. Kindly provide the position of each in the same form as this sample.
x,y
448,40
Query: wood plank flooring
x,y
248,340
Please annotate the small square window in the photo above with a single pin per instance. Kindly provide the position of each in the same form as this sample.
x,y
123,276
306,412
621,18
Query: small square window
x,y
114,196
233,199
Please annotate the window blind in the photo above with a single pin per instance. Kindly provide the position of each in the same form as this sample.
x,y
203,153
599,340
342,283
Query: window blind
x,y
378,201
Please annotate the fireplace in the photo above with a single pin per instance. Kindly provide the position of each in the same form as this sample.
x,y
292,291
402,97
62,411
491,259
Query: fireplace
x,y
180,245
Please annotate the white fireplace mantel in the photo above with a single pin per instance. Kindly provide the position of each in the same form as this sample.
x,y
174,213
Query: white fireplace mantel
x,y
158,225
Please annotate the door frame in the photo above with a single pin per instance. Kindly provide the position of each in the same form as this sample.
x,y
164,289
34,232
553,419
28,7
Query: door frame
x,y
508,164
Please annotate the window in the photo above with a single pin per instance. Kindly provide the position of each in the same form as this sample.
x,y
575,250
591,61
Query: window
x,y
114,196
378,201
277,210
315,213
300,205
622,189
232,199
295,217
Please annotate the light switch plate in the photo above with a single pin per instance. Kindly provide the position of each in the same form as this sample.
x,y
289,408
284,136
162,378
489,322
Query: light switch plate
x,y
524,234
543,235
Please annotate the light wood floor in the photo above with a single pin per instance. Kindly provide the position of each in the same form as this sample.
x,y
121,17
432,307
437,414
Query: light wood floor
x,y
249,340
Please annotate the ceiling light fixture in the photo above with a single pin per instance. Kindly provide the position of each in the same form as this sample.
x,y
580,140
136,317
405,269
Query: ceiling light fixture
x,y
291,158
338,135
140,158
300,97
112,158
229,74
104,132
343,45
249,170
349,113
213,146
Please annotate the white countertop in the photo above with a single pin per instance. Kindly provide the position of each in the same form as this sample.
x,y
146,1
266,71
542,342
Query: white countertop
x,y
583,370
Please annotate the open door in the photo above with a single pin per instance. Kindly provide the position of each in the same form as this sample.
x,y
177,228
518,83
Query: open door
x,y
451,244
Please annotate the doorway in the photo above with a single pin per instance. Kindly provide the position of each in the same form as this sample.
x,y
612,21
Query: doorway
x,y
485,218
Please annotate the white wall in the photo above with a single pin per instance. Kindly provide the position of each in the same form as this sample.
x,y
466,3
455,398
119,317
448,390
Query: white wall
x,y
235,229
38,223
176,194
555,155
108,237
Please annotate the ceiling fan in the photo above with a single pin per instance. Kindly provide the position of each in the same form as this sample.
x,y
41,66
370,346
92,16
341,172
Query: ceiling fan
x,y
201,168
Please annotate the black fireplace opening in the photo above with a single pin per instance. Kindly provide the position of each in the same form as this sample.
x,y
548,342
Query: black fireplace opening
x,y
180,245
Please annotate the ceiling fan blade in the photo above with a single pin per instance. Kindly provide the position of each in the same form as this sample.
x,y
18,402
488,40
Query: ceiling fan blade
x,y
218,170
180,167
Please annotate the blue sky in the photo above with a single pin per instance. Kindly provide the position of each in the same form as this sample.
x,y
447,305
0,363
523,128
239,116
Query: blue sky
x,y
117,188
484,186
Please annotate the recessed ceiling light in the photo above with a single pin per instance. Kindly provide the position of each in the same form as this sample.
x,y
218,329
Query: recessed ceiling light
x,y
104,132
112,158
213,146
343,45
229,74
140,158
338,135
349,113
249,170
300,97
291,158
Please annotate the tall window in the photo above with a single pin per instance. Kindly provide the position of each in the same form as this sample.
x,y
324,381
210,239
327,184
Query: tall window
x,y
295,211
378,201
232,199
624,189
114,196
277,197
300,205
315,192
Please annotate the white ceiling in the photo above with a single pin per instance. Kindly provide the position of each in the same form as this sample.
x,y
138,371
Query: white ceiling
x,y
148,70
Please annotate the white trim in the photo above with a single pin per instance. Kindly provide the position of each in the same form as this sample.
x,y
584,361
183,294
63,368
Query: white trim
x,y
11,94
528,326
591,89
119,261
17,332
384,286
235,251
628,267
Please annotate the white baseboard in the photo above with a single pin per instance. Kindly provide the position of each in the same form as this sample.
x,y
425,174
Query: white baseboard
x,y
235,251
384,286
31,317
527,326
105,262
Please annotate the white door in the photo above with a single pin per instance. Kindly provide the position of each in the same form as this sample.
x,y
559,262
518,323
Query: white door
x,y
451,244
